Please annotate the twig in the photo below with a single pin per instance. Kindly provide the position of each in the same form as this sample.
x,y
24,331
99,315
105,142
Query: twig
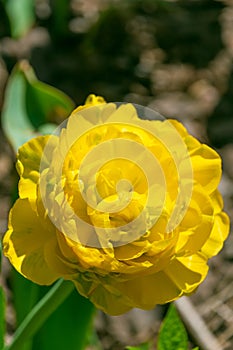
x,y
216,300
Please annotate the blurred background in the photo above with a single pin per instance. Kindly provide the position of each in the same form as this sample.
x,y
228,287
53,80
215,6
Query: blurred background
x,y
173,56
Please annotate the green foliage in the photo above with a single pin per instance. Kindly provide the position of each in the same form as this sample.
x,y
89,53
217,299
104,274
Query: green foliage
x,y
59,18
145,346
172,334
2,308
60,319
94,341
21,16
2,317
44,103
31,107
21,287
69,327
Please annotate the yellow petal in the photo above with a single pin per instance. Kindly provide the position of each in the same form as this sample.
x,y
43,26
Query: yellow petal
x,y
196,226
25,241
206,168
182,276
179,127
191,142
187,272
59,263
147,291
218,235
92,100
131,250
217,201
191,241
28,165
103,299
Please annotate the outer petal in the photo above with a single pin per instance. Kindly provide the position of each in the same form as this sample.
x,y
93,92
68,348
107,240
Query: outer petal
x,y
182,276
217,201
116,297
187,272
24,243
218,235
28,165
147,291
179,127
205,161
206,167
196,226
65,268
91,100
113,304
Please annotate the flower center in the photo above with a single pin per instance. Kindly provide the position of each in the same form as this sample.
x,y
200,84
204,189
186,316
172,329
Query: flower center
x,y
117,210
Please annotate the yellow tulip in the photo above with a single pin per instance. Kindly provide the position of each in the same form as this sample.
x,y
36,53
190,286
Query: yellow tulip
x,y
126,208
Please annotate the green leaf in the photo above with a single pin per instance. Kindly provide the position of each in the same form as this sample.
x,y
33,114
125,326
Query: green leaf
x,y
40,313
172,333
69,327
145,346
72,320
15,121
2,317
31,108
21,15
44,103
21,287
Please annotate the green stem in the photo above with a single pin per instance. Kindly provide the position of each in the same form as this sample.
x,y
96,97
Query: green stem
x,y
39,314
